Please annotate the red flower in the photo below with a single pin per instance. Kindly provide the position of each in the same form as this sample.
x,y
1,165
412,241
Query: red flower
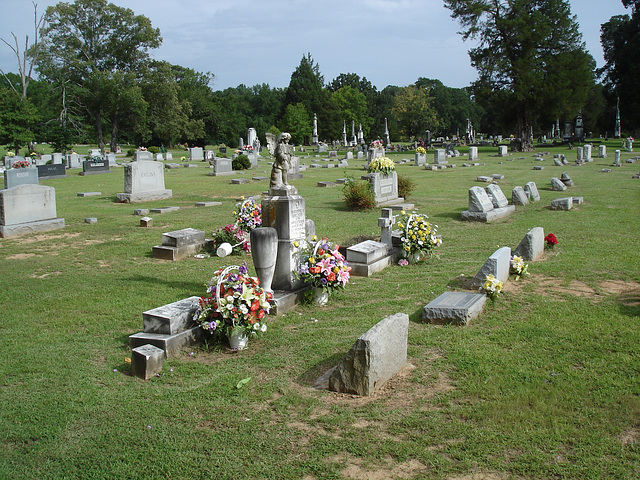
x,y
321,251
314,269
331,277
551,239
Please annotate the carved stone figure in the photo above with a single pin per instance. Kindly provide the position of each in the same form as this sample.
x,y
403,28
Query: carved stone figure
x,y
282,161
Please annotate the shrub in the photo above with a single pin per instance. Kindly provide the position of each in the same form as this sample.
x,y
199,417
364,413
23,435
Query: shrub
x,y
241,162
154,150
406,186
358,195
131,152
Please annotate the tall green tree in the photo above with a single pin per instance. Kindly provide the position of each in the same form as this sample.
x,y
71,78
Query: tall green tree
x,y
296,122
620,38
351,105
524,49
414,111
17,119
96,47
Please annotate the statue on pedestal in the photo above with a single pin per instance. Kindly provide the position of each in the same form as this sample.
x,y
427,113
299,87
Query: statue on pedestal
x,y
282,162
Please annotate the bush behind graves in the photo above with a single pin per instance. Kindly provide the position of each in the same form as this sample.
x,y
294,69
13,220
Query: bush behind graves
x,y
241,162
405,186
358,195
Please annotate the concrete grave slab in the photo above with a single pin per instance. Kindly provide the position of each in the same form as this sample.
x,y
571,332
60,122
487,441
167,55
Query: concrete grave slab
x,y
171,318
89,194
164,209
207,204
457,308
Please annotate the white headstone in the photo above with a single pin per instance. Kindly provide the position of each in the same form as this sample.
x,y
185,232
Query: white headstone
x,y
143,181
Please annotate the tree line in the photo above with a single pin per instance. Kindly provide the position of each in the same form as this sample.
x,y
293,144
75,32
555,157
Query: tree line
x,y
98,84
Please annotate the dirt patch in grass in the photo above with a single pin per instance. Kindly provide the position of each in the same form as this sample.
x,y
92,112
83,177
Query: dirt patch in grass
x,y
368,469
45,275
630,437
21,256
483,476
42,238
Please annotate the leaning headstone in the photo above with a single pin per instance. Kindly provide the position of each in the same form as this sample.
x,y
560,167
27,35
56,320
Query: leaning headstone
x,y
557,162
479,201
20,176
27,209
518,196
532,245
456,308
557,185
566,179
497,197
531,189
374,358
562,203
143,182
498,265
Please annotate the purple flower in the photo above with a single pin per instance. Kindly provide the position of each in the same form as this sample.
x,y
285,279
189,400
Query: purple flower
x,y
243,269
303,269
323,281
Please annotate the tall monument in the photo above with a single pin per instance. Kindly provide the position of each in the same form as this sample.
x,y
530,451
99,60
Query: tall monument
x,y
314,138
387,138
617,133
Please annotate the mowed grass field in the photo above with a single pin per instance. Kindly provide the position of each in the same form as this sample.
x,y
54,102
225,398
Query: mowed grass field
x,y
545,383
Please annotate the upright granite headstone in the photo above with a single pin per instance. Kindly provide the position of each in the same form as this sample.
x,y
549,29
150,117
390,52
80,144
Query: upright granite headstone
x,y
143,182
532,245
143,156
498,265
473,153
440,156
518,196
502,151
196,153
374,358
531,189
28,208
20,176
602,151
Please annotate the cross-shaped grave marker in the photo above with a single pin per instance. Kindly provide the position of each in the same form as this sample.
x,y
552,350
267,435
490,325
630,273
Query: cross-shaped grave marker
x,y
385,222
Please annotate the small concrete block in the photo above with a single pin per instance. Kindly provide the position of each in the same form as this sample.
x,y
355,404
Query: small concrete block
x,y
91,220
207,204
538,167
146,222
89,194
146,361
260,179
141,211
562,203
238,181
454,307
484,179
605,170
497,176
342,181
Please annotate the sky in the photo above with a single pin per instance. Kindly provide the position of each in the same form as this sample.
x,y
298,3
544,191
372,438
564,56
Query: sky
x,y
251,42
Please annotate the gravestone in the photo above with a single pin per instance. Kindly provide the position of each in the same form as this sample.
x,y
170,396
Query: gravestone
x,y
196,153
111,159
146,361
349,155
143,182
456,308
498,265
27,209
369,257
222,166
479,201
557,162
168,156
579,155
602,151
566,179
384,186
179,244
385,222
617,158
74,160
518,196
93,168
497,197
532,245
440,156
557,185
51,170
502,151
586,153
20,176
44,159
374,358
473,153
531,189
57,158
143,156
562,203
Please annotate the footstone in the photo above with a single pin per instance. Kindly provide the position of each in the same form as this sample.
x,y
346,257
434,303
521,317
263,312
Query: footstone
x,y
518,196
457,308
497,176
171,166
367,252
562,203
557,185
171,318
497,197
89,194
141,211
171,345
146,361
538,167
238,181
374,358
91,220
207,204
484,179
498,265
326,184
146,222
164,209
180,238
260,179
487,217
605,170
531,189
532,245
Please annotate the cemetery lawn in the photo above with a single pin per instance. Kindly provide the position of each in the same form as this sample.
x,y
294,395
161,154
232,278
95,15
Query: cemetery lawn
x,y
545,383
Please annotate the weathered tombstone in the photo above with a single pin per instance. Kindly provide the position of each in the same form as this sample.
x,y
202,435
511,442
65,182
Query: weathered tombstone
x,y
384,186
420,159
74,160
502,151
57,158
44,159
532,245
531,189
168,156
159,157
602,151
579,155
479,201
498,265
473,153
562,203
586,153
566,179
20,176
455,308
518,196
27,209
251,136
196,153
617,158
374,358
497,197
111,158
557,162
146,361
440,156
557,185
143,182
222,166
143,156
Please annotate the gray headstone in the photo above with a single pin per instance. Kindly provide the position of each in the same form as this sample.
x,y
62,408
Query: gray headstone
x,y
497,197
374,358
498,265
143,156
518,196
484,178
562,203
180,238
143,181
439,156
531,189
146,361
473,153
454,307
196,153
479,201
171,318
557,185
532,245
566,179
502,151
20,176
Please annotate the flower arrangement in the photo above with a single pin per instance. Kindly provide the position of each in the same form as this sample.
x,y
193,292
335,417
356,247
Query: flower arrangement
x,y
235,236
492,287
183,158
11,153
551,240
381,164
518,267
322,265
376,144
33,154
419,237
248,148
421,150
249,215
403,262
233,300
21,164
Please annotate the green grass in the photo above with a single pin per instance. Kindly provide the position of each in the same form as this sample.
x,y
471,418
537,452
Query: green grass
x,y
544,384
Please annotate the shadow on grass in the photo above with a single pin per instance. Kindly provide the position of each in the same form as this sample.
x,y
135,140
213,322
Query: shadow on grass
x,y
187,287
311,376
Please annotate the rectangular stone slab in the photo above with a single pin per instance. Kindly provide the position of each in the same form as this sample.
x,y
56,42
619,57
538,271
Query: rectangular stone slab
x,y
366,252
171,318
457,308
172,345
146,361
181,238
